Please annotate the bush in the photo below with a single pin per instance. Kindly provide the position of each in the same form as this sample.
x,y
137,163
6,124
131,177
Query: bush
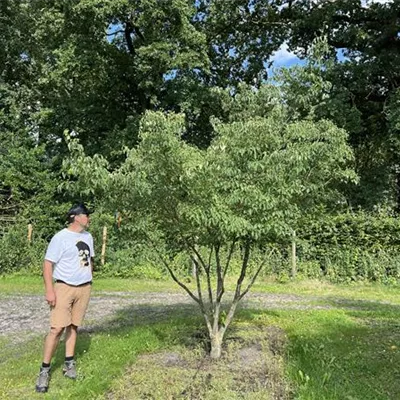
x,y
17,254
344,248
352,247
125,263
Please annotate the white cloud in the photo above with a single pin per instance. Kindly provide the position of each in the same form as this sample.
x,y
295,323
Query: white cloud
x,y
368,2
363,2
283,56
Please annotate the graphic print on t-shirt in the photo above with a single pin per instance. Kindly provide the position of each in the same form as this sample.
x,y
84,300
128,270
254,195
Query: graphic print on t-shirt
x,y
84,254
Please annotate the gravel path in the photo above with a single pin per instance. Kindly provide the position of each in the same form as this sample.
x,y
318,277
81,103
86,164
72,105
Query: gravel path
x,y
24,316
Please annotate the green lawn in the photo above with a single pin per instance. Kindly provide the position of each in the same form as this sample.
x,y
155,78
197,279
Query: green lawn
x,y
348,348
341,354
28,284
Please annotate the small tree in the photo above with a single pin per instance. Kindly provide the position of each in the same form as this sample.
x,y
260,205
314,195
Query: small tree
x,y
249,188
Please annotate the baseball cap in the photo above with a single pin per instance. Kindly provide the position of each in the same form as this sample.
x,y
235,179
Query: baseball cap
x,y
78,209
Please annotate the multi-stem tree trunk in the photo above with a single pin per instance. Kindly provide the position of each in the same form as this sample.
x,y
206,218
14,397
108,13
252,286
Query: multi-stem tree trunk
x,y
212,313
211,309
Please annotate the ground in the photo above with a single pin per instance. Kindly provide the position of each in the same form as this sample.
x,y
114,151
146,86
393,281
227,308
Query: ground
x,y
27,314
251,366
321,342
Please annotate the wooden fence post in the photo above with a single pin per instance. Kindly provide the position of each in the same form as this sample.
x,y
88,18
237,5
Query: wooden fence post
x,y
30,230
293,258
103,247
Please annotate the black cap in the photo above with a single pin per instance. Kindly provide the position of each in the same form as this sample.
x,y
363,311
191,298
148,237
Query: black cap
x,y
78,209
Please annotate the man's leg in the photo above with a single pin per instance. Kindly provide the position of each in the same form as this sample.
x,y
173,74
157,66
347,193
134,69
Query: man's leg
x,y
81,299
50,345
60,316
71,333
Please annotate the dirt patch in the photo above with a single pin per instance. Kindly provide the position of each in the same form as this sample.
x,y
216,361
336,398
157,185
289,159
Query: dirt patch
x,y
23,317
165,359
248,369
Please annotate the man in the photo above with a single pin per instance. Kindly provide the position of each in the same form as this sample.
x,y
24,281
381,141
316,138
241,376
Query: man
x,y
67,274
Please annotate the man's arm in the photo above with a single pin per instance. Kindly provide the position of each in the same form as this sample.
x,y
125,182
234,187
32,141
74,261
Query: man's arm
x,y
48,282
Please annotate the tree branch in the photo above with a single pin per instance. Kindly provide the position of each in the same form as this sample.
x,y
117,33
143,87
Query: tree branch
x,y
238,296
208,274
128,31
220,276
228,260
220,289
182,285
201,302
229,317
206,271
137,31
216,318
256,274
115,33
198,255
245,263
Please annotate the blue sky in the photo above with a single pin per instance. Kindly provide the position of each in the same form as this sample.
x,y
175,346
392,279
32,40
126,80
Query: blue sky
x,y
284,58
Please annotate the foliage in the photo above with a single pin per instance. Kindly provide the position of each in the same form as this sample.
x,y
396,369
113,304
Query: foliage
x,y
241,37
17,254
365,41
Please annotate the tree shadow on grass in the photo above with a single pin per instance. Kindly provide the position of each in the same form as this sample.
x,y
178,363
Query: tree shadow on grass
x,y
183,321
142,315
377,307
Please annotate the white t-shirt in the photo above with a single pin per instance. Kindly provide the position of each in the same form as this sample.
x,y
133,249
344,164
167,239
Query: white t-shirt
x,y
71,253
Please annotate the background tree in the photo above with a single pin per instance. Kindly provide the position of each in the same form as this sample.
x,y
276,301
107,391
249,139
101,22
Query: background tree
x,y
366,42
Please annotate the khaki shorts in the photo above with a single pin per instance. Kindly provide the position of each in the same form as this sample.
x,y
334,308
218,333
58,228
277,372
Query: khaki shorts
x,y
71,305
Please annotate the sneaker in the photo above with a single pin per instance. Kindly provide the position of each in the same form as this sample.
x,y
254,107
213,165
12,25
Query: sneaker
x,y
69,369
42,383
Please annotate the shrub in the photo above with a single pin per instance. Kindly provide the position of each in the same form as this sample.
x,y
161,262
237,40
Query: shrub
x,y
17,254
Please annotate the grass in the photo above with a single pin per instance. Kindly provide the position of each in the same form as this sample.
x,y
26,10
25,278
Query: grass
x,y
339,353
102,356
33,284
354,291
350,349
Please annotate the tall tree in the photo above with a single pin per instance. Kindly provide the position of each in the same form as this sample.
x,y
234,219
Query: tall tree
x,y
102,63
365,37
241,37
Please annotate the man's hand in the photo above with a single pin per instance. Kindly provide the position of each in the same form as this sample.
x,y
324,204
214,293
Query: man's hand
x,y
51,298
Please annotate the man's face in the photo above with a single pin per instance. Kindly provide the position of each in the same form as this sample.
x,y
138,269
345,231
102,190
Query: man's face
x,y
83,220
